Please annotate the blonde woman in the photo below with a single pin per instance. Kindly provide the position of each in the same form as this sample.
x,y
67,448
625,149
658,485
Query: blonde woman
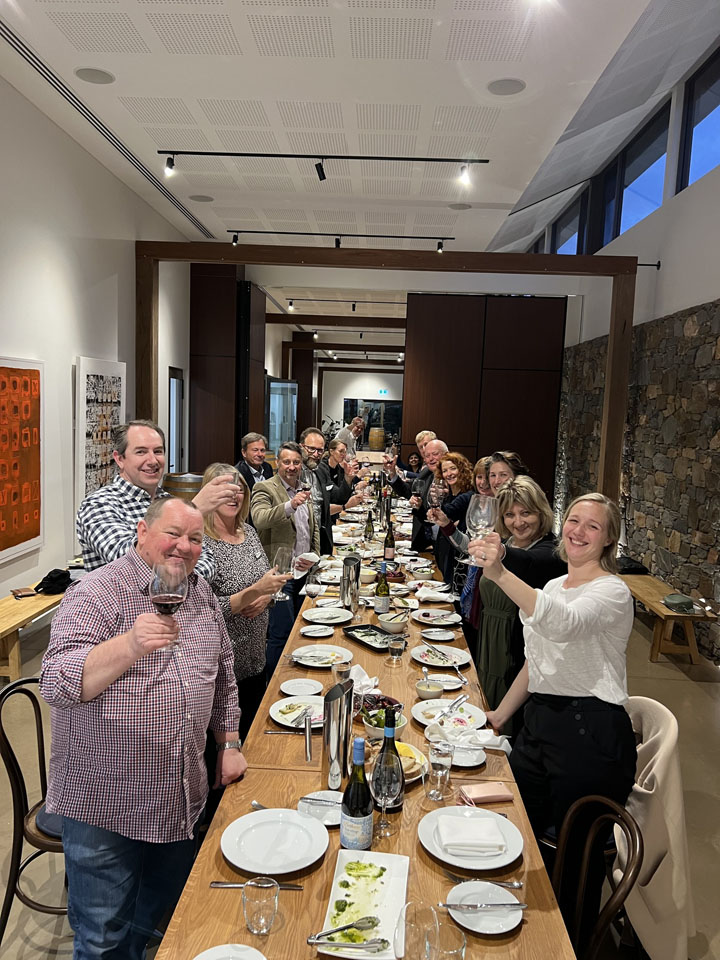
x,y
244,586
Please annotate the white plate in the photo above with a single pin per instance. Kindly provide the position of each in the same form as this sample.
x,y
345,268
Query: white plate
x,y
317,631
301,687
484,921
406,603
268,842
436,618
331,576
430,584
333,615
448,681
467,716
463,756
289,709
427,834
424,655
328,602
437,635
330,816
321,655
383,900
399,590
418,754
231,951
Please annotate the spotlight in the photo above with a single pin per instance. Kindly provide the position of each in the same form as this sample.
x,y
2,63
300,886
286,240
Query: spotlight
x,y
353,307
440,246
320,170
464,177
399,358
337,243
290,305
315,335
235,240
361,334
170,167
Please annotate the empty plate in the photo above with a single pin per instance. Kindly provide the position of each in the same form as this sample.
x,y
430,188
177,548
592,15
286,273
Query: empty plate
x,y
301,687
317,631
268,842
485,921
326,814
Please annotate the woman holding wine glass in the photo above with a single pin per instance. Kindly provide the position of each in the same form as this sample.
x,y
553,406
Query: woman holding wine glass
x,y
454,474
244,586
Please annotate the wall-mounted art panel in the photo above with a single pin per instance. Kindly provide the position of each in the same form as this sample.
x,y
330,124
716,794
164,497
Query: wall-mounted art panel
x,y
99,408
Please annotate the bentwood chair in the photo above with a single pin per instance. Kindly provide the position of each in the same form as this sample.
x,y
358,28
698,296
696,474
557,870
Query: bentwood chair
x,y
34,825
585,820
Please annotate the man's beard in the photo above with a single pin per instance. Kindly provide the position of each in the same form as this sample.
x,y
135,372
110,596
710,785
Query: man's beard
x,y
310,462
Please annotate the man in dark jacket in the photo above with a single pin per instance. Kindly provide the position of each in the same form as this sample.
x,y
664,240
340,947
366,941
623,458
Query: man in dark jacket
x,y
252,466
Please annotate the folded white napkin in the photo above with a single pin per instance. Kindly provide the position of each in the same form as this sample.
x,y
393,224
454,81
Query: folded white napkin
x,y
362,682
470,836
437,596
404,528
312,557
468,737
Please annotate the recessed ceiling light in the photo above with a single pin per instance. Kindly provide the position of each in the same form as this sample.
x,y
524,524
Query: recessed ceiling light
x,y
93,75
506,87
459,206
201,198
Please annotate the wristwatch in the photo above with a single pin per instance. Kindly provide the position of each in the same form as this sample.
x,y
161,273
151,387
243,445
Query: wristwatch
x,y
228,745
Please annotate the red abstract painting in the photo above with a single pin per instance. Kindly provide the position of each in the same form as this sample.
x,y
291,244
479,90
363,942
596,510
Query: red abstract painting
x,y
20,463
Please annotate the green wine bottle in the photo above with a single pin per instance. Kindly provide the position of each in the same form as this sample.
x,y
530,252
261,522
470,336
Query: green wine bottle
x,y
369,528
389,548
356,810
382,591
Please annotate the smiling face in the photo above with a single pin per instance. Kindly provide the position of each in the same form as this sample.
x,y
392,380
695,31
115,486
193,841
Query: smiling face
x,y
143,463
434,451
585,533
289,466
229,511
481,484
498,474
449,472
254,454
314,447
524,526
174,536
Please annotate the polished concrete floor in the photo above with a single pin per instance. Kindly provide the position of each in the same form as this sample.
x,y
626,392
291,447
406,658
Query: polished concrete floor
x,y
692,693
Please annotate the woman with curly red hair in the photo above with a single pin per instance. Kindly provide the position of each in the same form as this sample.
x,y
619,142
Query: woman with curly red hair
x,y
457,472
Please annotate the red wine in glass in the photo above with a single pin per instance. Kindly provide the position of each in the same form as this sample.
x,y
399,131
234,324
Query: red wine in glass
x,y
168,587
167,603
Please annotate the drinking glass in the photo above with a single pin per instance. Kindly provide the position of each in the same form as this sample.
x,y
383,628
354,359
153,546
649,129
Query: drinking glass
x,y
168,586
385,785
260,901
444,941
480,519
417,488
417,919
313,587
396,648
438,493
437,780
284,564
340,672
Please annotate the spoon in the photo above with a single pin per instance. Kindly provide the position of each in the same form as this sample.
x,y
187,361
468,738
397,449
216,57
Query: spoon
x,y
426,675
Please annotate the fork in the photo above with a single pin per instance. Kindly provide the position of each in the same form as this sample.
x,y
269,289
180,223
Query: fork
x,y
299,720
439,653
510,884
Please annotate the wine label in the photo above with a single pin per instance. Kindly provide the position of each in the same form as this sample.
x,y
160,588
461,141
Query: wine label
x,y
356,832
389,553
382,604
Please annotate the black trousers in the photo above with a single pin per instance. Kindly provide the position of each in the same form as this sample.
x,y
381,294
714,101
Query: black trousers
x,y
573,747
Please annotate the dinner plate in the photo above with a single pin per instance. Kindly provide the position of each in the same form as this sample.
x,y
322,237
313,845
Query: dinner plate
x,y
301,687
321,655
366,883
317,631
289,709
449,681
402,745
467,715
231,951
399,590
331,575
430,584
427,834
329,816
425,655
436,618
268,842
406,603
334,615
484,921
463,756
437,635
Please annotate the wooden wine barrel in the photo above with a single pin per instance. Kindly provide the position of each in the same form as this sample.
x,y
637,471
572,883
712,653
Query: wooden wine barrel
x,y
183,485
376,438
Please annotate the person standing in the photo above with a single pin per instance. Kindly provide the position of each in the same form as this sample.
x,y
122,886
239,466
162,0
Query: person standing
x,y
350,435
132,693
422,533
252,466
329,497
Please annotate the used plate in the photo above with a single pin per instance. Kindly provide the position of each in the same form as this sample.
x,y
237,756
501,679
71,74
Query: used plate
x,y
436,618
289,709
333,615
406,603
403,749
427,834
437,635
369,634
301,687
373,884
330,816
449,681
423,654
321,655
317,631
466,716
484,921
268,842
430,584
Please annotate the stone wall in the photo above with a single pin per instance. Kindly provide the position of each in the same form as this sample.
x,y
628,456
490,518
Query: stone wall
x,y
671,462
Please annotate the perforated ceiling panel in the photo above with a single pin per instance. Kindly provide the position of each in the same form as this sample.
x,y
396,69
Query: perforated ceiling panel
x,y
321,142
490,6
204,34
388,144
260,165
473,148
456,119
270,184
99,32
248,141
304,113
391,4
335,186
201,164
234,113
489,41
168,137
383,168
347,217
387,116
158,109
381,187
432,219
210,180
282,213
287,36
390,38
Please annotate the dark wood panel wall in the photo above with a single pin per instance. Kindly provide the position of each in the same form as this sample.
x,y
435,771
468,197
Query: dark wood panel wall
x,y
484,372
304,371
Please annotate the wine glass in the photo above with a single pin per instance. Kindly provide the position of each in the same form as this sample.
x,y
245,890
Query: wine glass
x,y
305,483
416,924
387,782
481,517
438,493
169,586
417,488
284,564
313,587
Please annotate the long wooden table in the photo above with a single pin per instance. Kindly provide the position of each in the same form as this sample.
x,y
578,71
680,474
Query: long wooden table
x,y
278,775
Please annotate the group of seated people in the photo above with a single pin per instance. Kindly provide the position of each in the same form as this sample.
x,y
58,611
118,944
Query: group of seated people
x,y
547,624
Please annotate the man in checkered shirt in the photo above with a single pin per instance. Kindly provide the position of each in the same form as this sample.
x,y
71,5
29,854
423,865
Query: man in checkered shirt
x,y
108,517
132,694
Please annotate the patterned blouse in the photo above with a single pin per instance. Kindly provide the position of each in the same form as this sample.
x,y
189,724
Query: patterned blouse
x,y
237,566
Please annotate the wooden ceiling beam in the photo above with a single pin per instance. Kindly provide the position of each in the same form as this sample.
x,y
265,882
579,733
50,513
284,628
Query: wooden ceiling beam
x,y
355,321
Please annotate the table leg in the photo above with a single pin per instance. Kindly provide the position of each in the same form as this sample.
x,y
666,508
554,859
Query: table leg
x,y
658,636
691,641
11,664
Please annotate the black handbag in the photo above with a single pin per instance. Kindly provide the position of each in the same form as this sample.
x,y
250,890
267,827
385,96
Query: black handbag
x,y
57,581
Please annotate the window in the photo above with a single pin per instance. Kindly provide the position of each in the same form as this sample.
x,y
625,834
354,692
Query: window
x,y
539,245
175,420
701,129
568,231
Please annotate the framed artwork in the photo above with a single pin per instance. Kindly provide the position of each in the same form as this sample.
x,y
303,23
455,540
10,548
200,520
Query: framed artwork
x,y
21,449
99,408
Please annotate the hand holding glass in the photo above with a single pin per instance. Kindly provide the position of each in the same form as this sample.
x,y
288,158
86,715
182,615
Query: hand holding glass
x,y
481,517
284,564
169,586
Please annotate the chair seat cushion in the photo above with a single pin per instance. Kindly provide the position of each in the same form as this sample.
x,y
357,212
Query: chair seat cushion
x,y
49,823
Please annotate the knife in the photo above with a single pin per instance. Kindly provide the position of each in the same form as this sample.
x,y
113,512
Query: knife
x,y
439,653
484,906
238,886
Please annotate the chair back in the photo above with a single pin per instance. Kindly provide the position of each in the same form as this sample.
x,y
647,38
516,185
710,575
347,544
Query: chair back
x,y
608,814
22,688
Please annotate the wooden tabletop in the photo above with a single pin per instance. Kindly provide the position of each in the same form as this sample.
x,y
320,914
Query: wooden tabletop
x,y
651,591
278,775
15,614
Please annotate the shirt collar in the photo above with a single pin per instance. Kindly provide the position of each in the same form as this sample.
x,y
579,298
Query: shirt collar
x,y
134,492
291,490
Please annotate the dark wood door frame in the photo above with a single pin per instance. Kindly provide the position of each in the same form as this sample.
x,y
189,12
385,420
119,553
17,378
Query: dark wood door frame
x,y
622,270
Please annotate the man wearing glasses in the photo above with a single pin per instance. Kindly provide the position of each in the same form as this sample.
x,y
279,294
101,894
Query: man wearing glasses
x,y
328,498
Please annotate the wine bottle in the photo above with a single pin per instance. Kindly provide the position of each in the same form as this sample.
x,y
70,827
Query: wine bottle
x,y
382,591
389,548
369,529
387,748
356,810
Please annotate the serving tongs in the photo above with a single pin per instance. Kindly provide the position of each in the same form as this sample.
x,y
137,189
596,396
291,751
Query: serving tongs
x,y
438,652
451,707
364,923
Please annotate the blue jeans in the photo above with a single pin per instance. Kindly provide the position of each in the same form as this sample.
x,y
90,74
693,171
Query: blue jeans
x,y
119,889
282,619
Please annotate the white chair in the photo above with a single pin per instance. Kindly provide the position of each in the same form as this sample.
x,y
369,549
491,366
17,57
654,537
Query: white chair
x,y
659,906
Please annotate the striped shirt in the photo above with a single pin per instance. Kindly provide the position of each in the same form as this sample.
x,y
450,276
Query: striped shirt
x,y
107,524
131,759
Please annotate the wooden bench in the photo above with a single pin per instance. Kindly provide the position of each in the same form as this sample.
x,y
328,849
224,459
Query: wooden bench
x,y
650,591
14,615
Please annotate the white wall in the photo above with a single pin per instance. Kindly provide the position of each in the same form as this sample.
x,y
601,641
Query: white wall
x,y
275,333
338,386
67,289
173,337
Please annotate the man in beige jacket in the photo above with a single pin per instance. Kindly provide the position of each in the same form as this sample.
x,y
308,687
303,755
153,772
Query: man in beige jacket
x,y
283,516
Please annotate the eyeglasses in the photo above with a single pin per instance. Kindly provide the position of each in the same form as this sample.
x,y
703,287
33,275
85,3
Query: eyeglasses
x,y
313,449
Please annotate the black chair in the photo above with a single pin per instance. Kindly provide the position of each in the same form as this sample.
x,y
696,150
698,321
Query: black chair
x,y
42,830
592,816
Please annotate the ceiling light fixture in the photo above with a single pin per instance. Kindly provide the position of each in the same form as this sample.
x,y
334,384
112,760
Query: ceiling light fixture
x,y
170,167
399,359
361,334
290,305
354,306
464,177
337,243
440,246
235,240
338,237
315,335
320,171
